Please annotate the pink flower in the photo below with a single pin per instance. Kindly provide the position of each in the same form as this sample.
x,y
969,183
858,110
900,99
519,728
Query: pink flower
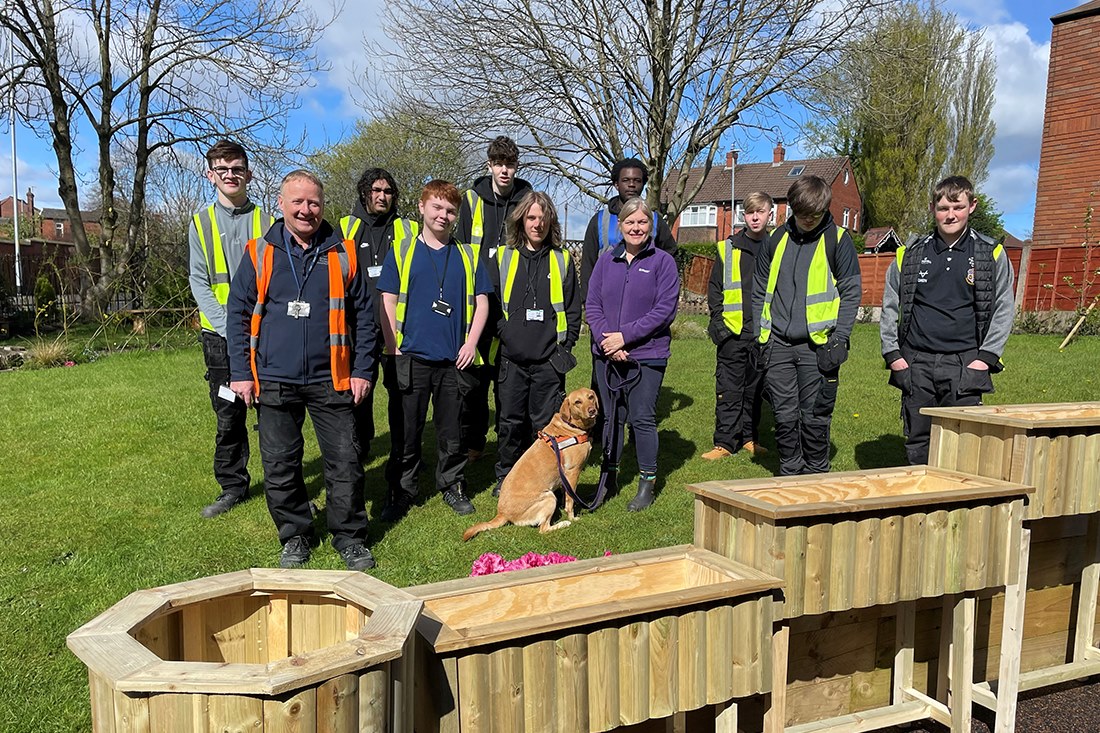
x,y
70,363
490,562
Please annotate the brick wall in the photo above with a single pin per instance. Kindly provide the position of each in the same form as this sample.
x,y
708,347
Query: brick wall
x,y
1069,163
846,196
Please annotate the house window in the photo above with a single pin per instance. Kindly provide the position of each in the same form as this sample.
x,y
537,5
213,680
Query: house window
x,y
846,176
855,222
740,219
59,228
796,171
847,216
699,216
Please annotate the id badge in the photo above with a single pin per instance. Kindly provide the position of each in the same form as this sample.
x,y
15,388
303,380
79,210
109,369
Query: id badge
x,y
442,307
534,314
374,272
297,309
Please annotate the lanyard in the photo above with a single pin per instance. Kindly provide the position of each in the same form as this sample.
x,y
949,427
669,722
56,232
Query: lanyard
x,y
531,288
446,263
294,270
377,249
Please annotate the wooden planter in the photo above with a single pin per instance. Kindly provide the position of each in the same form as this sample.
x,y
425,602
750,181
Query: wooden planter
x,y
593,645
884,537
1053,447
255,650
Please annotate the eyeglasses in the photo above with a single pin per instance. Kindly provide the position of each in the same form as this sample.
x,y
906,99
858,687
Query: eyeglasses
x,y
383,191
224,171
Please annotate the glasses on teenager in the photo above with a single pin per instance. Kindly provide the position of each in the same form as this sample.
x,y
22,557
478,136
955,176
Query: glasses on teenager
x,y
383,191
224,171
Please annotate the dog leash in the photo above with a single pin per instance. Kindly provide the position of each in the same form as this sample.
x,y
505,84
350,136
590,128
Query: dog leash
x,y
558,445
627,374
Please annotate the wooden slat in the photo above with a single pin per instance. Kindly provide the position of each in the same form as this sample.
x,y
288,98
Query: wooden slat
x,y
338,704
278,627
177,712
374,699
692,660
539,658
634,684
234,713
934,553
865,581
475,712
818,556
719,635
885,568
507,689
664,692
603,679
305,623
132,713
571,682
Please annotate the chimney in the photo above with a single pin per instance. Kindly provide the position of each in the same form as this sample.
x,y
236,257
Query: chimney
x,y
731,159
778,152
30,202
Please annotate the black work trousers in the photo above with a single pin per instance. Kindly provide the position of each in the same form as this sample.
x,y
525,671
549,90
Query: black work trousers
x,y
529,395
475,412
282,411
739,392
802,398
364,414
231,437
413,385
631,397
935,380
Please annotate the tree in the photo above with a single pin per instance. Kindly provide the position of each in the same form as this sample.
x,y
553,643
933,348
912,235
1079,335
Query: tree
x,y
910,103
987,219
413,151
581,84
146,76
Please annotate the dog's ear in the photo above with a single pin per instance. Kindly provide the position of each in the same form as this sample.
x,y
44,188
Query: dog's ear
x,y
565,412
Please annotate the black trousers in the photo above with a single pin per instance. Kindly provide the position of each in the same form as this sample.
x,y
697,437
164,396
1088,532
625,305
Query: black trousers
x,y
529,396
413,384
475,413
636,402
935,380
364,414
739,394
231,437
282,410
803,399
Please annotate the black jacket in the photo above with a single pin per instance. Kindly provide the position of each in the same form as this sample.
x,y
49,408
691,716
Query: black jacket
x,y
496,208
525,341
296,350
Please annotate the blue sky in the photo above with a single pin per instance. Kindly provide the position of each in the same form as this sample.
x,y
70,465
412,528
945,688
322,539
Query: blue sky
x,y
1019,30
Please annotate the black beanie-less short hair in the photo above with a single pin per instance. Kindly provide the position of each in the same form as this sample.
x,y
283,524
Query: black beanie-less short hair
x,y
629,163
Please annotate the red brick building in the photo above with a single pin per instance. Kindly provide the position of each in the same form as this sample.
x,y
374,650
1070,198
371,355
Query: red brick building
x,y
708,216
50,224
1069,162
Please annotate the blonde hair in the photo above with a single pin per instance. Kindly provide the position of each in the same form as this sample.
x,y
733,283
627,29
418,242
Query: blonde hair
x,y
517,237
757,201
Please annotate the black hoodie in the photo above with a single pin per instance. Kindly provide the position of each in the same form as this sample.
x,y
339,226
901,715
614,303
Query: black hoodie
x,y
788,310
527,342
496,211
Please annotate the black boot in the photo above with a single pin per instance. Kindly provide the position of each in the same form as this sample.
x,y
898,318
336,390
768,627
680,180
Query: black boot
x,y
644,497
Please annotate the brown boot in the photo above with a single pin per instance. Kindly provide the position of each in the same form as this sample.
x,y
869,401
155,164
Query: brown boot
x,y
715,453
755,449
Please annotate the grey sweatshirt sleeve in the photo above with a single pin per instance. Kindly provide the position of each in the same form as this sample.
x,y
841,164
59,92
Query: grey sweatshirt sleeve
x,y
888,321
850,285
1004,310
199,279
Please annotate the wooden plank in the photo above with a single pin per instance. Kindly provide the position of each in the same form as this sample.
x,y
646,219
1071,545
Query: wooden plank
x,y
507,689
818,555
131,713
103,703
1090,586
664,639
887,575
775,717
725,721
962,664
912,544
905,636
866,721
934,553
161,636
474,712
177,712
374,700
234,713
954,570
293,712
305,623
603,679
864,585
634,683
794,567
1012,637
750,646
719,635
539,686
842,566
979,544
338,704
691,665
571,682
278,627
193,632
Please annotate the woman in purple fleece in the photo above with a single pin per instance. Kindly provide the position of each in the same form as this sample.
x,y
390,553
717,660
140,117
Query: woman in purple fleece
x,y
632,297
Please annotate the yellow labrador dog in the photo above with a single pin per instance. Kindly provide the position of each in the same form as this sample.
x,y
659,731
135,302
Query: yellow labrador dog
x,y
527,495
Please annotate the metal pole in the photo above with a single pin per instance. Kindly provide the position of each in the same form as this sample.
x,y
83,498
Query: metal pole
x,y
14,163
733,189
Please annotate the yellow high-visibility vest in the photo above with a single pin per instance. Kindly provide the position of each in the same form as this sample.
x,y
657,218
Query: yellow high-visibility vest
x,y
210,238
822,297
349,226
508,262
733,297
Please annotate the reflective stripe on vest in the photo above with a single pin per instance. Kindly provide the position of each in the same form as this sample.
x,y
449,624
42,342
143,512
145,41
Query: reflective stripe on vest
x,y
733,312
342,266
607,229
349,226
403,251
206,226
477,217
508,262
822,297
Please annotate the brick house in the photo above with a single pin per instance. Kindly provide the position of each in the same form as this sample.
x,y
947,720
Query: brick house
x,y
1069,160
50,224
707,219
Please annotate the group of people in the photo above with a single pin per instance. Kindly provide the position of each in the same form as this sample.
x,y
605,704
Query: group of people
x,y
300,316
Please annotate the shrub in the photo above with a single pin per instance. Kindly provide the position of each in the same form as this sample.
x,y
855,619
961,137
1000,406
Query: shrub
x,y
45,299
45,353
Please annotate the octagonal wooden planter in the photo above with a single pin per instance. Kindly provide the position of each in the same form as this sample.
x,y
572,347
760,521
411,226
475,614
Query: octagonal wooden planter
x,y
256,650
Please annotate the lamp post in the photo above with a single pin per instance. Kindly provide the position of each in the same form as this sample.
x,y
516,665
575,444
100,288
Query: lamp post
x,y
14,160
733,189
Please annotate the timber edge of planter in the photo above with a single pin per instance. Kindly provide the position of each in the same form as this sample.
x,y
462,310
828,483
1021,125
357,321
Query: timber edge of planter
x,y
109,644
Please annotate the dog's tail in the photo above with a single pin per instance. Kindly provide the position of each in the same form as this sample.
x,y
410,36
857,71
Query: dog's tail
x,y
497,521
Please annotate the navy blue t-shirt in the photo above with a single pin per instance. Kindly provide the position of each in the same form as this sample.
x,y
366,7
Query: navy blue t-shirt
x,y
427,334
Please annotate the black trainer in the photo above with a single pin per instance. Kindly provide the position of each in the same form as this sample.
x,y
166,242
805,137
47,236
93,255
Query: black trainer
x,y
357,557
296,552
496,489
457,500
394,510
222,504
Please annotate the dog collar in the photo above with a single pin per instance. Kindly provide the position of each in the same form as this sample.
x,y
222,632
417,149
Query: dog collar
x,y
563,443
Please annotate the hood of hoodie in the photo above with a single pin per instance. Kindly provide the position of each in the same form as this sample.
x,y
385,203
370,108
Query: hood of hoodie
x,y
800,237
373,220
483,187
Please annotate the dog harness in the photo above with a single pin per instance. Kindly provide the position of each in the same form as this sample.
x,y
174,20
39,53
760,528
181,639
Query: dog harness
x,y
561,444
558,445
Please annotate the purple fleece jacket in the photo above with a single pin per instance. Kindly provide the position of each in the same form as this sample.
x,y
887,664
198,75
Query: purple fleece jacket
x,y
638,299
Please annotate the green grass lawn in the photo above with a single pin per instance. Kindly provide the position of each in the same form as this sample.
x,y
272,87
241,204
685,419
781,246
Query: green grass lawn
x,y
105,466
